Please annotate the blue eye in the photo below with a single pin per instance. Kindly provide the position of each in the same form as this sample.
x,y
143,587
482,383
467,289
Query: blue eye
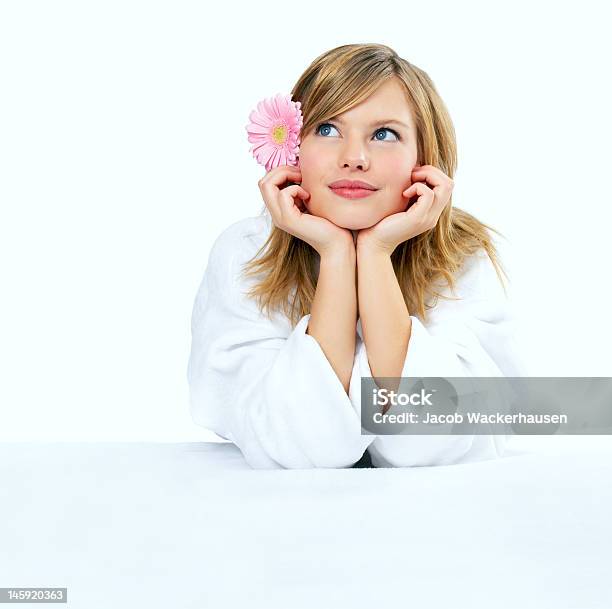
x,y
328,126
324,125
389,130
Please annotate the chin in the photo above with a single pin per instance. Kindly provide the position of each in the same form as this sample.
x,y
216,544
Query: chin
x,y
353,215
352,222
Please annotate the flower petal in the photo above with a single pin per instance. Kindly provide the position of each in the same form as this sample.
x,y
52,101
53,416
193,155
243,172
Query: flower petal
x,y
271,113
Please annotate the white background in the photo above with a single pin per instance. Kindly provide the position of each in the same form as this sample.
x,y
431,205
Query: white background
x,y
123,154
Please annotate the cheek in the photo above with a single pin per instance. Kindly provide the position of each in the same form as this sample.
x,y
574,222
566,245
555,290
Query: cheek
x,y
310,164
398,172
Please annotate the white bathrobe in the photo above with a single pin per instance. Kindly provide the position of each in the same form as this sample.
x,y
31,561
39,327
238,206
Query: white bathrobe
x,y
269,388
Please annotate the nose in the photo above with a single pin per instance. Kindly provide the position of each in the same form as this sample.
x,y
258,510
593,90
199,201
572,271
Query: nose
x,y
355,157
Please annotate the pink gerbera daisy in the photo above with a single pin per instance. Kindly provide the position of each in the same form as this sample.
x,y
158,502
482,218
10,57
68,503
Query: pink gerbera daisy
x,y
274,131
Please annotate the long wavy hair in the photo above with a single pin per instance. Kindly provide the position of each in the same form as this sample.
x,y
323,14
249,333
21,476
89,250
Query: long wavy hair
x,y
334,82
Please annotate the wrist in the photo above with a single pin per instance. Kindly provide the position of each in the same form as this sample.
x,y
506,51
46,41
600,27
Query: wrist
x,y
372,250
369,244
340,248
339,254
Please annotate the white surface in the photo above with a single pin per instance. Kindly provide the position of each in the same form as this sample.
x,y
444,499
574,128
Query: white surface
x,y
190,525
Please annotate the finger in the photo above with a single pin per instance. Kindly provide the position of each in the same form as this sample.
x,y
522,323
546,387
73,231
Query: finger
x,y
291,203
290,194
410,193
270,183
271,202
281,174
422,212
441,184
433,176
425,197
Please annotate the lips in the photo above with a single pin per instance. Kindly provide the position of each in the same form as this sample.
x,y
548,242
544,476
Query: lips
x,y
352,193
352,184
352,189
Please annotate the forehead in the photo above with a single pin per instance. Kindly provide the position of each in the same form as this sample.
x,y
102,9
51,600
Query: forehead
x,y
388,101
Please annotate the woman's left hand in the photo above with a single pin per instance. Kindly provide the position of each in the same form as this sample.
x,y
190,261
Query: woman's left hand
x,y
422,215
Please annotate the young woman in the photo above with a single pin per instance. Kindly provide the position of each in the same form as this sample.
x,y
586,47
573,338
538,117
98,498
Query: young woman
x,y
329,284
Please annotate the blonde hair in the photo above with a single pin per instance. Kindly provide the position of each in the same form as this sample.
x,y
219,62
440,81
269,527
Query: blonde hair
x,y
336,81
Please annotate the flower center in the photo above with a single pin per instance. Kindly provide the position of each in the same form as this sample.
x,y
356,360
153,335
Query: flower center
x,y
279,134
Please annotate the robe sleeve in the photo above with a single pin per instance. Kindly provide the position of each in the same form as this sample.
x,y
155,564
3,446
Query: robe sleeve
x,y
261,384
470,337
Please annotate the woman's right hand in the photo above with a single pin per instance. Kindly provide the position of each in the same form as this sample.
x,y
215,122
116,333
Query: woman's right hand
x,y
289,211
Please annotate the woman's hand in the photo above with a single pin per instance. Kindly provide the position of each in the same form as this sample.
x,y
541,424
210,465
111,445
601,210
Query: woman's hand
x,y
422,215
289,211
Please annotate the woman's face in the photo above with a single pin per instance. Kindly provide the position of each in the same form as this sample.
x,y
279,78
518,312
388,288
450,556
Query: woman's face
x,y
361,145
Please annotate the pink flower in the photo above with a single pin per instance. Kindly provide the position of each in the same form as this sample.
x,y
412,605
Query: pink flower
x,y
275,131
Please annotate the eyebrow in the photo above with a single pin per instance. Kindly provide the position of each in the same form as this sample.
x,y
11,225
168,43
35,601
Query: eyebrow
x,y
374,123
